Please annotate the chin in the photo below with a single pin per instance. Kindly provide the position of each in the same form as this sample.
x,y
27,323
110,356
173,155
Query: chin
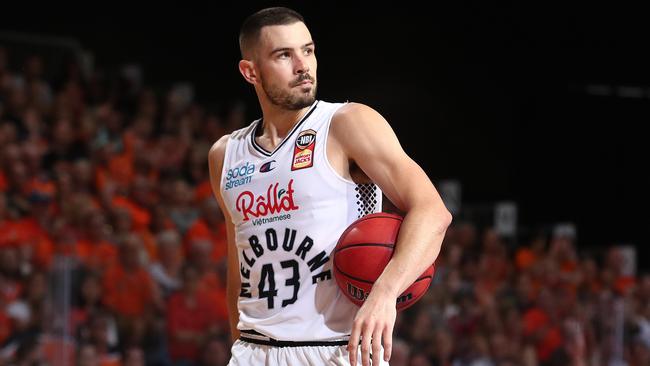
x,y
306,94
303,101
309,99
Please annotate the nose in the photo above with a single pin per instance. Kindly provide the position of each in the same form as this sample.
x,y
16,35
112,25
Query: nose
x,y
300,65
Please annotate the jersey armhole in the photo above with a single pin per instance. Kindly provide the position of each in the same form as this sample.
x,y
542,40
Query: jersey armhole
x,y
327,160
226,158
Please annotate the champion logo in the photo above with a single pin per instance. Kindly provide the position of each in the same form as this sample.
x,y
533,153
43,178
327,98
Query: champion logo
x,y
267,167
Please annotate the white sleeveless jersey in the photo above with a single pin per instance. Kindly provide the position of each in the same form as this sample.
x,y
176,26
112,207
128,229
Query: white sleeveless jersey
x,y
289,208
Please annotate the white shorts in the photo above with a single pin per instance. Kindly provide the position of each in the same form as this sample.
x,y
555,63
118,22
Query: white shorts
x,y
250,354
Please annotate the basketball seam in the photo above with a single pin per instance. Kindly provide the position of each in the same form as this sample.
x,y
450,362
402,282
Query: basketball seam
x,y
369,282
384,215
364,245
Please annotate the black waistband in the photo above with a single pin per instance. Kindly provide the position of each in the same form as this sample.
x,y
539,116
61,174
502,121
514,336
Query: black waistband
x,y
254,337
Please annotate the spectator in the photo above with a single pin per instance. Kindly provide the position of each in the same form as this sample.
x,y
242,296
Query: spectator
x,y
167,270
189,320
210,226
99,337
87,355
133,356
130,292
214,352
88,303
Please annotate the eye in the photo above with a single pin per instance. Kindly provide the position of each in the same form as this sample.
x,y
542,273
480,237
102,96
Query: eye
x,y
284,54
309,51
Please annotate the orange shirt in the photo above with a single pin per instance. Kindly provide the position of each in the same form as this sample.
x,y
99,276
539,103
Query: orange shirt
x,y
55,350
181,316
98,256
139,216
19,232
525,258
110,360
128,293
217,236
535,320
149,243
44,187
28,231
120,167
623,284
203,191
211,287
9,230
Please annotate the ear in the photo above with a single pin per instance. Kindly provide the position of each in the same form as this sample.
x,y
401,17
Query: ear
x,y
247,69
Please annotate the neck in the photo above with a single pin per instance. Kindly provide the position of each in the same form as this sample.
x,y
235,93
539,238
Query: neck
x,y
277,122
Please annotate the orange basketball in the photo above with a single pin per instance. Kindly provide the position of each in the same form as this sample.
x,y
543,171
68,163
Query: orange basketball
x,y
361,254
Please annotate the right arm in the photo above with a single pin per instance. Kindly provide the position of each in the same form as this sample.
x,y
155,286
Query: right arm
x,y
233,282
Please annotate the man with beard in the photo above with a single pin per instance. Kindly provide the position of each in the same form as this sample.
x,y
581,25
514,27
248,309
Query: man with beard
x,y
289,185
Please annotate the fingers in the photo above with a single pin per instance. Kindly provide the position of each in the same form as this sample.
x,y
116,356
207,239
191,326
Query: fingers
x,y
353,343
365,345
376,345
388,342
371,342
369,332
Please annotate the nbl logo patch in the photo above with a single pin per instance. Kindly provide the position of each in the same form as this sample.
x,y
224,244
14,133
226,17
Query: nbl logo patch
x,y
303,152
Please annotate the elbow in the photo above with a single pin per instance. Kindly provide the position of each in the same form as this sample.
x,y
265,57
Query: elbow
x,y
443,220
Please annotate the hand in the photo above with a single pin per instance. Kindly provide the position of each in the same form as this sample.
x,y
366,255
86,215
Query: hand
x,y
374,321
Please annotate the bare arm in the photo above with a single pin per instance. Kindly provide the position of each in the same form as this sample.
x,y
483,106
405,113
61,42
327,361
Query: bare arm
x,y
365,137
233,281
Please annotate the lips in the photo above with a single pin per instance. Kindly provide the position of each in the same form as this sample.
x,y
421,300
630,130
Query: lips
x,y
304,80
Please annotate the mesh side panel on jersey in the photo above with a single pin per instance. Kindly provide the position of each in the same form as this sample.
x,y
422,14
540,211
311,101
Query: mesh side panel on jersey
x,y
366,199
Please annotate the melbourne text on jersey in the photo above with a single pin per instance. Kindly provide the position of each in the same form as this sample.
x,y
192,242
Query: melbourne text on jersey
x,y
270,242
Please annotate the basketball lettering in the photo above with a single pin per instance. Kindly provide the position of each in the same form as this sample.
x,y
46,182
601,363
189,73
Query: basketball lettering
x,y
404,298
356,292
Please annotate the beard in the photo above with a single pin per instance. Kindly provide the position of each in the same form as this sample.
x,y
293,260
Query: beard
x,y
292,98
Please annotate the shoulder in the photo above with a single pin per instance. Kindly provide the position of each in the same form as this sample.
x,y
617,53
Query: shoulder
x,y
217,153
243,133
354,118
355,112
361,131
218,149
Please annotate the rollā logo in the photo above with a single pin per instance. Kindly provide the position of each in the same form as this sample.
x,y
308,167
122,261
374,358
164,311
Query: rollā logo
x,y
275,201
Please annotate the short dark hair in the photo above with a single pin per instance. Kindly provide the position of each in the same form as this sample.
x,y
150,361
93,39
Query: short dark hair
x,y
250,29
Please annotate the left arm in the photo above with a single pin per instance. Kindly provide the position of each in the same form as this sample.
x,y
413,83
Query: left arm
x,y
367,139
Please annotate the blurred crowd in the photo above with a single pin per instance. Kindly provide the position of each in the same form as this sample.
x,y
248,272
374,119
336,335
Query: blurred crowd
x,y
112,248
495,302
111,244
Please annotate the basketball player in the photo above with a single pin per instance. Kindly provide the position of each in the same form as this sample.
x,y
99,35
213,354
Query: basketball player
x,y
289,184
